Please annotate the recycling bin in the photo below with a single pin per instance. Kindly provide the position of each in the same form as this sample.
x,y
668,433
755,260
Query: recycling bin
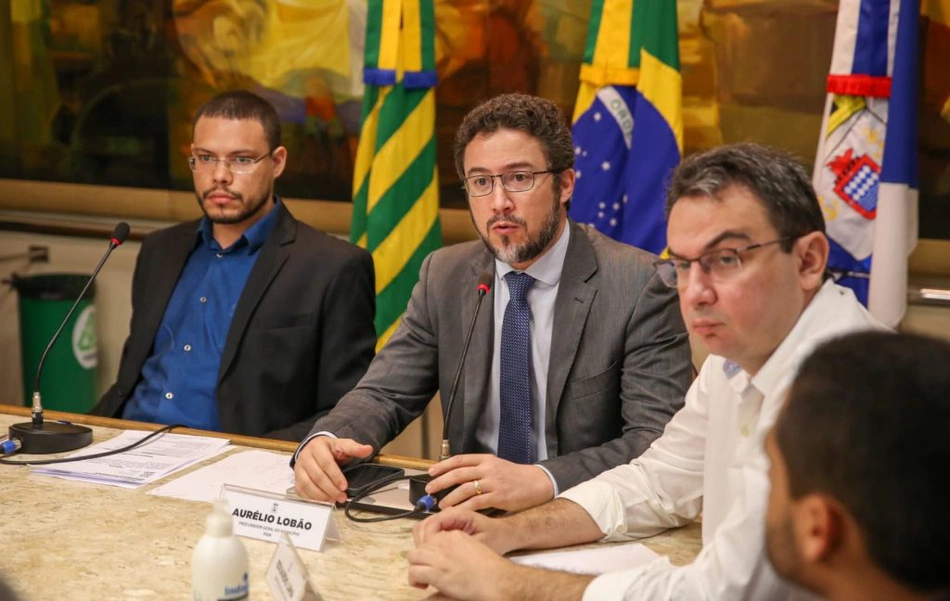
x,y
68,381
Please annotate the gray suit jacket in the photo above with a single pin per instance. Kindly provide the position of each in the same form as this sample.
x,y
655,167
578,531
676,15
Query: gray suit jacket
x,y
619,367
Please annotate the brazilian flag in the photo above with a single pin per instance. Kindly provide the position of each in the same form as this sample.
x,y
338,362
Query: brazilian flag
x,y
395,183
628,126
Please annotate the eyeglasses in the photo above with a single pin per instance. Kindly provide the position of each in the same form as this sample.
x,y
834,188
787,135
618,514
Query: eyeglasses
x,y
721,263
513,181
207,162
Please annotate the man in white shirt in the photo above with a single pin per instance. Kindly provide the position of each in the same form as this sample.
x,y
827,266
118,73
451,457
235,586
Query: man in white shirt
x,y
748,255
870,524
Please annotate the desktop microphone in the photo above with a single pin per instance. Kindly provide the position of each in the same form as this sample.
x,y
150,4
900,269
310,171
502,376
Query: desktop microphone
x,y
417,483
37,436
484,285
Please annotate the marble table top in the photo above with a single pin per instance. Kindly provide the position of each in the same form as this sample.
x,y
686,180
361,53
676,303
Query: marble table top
x,y
73,540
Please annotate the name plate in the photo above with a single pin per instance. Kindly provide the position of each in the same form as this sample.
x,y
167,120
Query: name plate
x,y
287,576
265,516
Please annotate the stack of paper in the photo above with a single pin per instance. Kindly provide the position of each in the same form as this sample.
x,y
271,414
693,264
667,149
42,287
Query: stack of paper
x,y
593,560
153,460
259,470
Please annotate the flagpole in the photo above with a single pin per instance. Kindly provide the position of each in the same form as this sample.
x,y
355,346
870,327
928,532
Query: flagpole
x,y
822,138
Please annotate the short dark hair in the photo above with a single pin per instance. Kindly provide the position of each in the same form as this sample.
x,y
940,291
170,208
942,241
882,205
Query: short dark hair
x,y
535,116
775,177
6,592
241,104
867,421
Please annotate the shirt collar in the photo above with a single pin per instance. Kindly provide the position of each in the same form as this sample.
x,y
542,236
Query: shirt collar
x,y
774,369
254,236
738,378
769,375
547,269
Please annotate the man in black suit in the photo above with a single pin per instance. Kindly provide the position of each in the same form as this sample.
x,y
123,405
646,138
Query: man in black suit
x,y
246,321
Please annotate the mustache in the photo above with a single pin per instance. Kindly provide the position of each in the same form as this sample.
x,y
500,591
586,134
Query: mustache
x,y
512,219
209,192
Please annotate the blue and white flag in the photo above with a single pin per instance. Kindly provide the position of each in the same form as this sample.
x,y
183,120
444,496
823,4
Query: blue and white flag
x,y
866,166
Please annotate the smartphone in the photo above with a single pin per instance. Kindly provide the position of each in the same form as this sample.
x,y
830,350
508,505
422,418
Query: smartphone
x,y
362,476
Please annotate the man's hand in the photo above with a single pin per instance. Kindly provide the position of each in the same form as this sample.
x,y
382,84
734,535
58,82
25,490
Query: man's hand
x,y
317,473
487,481
489,531
560,523
462,568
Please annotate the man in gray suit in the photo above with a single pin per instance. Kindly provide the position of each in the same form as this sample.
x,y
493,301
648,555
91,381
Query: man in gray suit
x,y
578,359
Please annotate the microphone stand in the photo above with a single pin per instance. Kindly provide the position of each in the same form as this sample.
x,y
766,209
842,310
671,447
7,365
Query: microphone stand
x,y
417,494
484,285
41,437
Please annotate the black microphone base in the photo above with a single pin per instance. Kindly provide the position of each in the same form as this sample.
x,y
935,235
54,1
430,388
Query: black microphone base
x,y
50,437
417,489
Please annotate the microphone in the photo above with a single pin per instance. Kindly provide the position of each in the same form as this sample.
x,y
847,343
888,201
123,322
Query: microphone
x,y
417,493
484,285
37,436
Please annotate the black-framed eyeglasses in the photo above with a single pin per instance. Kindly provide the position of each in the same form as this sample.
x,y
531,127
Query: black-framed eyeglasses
x,y
207,162
512,181
721,263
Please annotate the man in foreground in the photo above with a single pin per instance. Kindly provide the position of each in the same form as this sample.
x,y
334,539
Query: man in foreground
x,y
747,256
578,358
858,501
247,321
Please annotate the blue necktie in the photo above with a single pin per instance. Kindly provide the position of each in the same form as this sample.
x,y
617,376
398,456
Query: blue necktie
x,y
514,431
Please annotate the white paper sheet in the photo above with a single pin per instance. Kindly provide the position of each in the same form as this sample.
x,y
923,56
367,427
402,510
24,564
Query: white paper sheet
x,y
596,560
152,461
259,470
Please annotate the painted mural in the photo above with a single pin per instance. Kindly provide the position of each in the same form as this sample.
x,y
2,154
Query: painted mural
x,y
103,91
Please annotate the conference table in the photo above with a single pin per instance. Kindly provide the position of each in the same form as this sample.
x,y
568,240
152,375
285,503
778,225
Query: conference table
x,y
65,539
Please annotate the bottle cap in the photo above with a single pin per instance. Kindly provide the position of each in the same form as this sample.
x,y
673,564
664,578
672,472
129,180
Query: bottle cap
x,y
219,520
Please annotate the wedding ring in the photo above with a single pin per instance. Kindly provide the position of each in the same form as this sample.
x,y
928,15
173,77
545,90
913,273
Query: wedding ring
x,y
478,487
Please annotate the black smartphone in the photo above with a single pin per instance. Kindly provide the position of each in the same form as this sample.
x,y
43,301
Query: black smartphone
x,y
361,476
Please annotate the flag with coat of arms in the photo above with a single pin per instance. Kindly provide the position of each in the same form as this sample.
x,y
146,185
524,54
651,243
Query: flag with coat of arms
x,y
627,126
866,165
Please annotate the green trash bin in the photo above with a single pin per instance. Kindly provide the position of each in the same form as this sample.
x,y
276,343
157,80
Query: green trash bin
x,y
69,375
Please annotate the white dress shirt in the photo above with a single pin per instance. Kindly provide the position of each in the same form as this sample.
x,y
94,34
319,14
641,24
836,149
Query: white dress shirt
x,y
711,458
541,296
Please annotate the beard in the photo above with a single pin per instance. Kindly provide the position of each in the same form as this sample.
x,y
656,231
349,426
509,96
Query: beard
x,y
533,247
249,207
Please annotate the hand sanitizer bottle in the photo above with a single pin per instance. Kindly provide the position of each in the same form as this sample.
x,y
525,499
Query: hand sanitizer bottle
x,y
219,563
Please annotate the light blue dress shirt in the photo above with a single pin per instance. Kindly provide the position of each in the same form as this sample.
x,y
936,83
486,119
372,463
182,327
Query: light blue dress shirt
x,y
547,273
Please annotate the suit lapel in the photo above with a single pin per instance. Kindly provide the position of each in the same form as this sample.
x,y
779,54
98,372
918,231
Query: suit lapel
x,y
163,279
273,255
571,310
478,362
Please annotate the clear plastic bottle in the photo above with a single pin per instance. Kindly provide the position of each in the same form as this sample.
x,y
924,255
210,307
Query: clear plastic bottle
x,y
219,562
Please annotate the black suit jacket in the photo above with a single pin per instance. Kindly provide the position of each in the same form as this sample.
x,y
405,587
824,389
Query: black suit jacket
x,y
301,337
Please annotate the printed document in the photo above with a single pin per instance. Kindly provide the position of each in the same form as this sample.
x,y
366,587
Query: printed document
x,y
595,560
258,470
149,462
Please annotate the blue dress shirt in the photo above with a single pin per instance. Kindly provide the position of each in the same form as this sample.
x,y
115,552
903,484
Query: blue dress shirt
x,y
180,376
